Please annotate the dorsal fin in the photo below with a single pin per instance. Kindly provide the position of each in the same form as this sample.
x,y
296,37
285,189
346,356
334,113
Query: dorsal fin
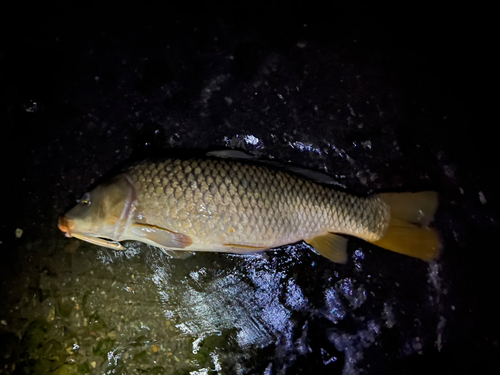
x,y
299,171
231,154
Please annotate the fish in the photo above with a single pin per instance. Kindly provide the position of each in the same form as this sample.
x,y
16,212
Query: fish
x,y
227,202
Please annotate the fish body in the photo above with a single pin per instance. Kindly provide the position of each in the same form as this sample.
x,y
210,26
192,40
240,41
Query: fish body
x,y
219,204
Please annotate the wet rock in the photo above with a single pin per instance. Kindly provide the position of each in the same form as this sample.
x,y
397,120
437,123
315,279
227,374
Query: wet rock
x,y
96,323
103,347
141,357
87,306
36,334
67,369
72,246
64,307
158,370
52,314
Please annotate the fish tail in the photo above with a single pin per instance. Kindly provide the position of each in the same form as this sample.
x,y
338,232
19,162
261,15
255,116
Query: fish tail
x,y
409,232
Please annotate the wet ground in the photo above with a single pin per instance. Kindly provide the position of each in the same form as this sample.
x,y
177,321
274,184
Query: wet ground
x,y
376,101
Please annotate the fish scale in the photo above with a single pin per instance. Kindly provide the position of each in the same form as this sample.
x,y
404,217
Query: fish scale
x,y
220,201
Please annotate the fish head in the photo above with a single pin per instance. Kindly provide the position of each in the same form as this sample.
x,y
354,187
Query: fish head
x,y
102,212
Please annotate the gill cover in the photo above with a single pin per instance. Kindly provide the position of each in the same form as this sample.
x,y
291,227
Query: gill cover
x,y
103,212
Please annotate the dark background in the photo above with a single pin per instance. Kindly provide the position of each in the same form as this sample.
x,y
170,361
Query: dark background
x,y
84,87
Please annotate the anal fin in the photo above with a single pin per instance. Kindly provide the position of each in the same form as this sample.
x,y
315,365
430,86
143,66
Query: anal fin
x,y
331,246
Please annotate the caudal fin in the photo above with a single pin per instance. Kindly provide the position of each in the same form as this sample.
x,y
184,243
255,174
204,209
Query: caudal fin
x,y
408,231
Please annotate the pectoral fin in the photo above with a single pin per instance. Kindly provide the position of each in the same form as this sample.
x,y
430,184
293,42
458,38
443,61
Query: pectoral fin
x,y
160,236
331,246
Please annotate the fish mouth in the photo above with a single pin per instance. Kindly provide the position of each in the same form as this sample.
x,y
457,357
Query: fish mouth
x,y
66,226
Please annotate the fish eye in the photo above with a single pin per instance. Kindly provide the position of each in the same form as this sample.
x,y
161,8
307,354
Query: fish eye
x,y
86,200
